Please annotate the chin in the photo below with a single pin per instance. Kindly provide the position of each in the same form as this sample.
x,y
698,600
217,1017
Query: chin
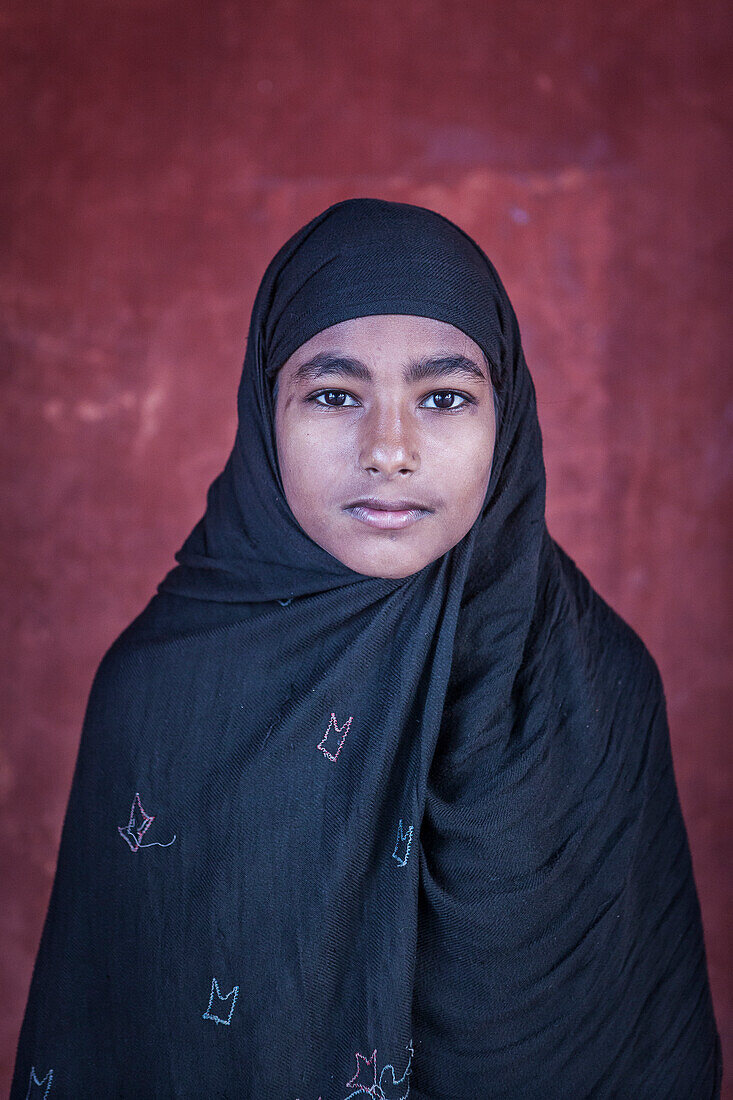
x,y
389,566
389,571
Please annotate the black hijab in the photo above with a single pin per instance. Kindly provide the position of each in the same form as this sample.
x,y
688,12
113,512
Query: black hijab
x,y
335,836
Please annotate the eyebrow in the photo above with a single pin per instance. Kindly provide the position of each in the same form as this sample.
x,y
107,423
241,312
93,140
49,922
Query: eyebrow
x,y
418,370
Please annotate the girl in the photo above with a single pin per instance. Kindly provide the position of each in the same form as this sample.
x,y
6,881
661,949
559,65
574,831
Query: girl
x,y
375,797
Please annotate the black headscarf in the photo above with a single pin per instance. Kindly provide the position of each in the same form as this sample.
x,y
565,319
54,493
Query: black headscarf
x,y
333,835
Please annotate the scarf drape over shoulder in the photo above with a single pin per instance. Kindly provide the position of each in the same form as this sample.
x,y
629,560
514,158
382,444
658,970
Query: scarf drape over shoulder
x,y
332,835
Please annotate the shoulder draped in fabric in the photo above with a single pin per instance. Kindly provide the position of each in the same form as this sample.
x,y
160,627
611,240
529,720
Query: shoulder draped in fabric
x,y
333,835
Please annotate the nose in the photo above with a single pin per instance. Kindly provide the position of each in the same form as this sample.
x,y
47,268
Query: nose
x,y
389,445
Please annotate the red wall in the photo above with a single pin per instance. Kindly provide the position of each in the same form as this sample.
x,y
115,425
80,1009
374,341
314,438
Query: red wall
x,y
159,151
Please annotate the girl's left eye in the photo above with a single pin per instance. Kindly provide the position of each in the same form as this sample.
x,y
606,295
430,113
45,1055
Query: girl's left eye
x,y
443,395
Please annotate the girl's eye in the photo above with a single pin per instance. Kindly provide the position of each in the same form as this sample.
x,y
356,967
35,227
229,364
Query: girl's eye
x,y
445,400
338,396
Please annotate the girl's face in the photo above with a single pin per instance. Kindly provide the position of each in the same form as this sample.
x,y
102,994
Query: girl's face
x,y
385,435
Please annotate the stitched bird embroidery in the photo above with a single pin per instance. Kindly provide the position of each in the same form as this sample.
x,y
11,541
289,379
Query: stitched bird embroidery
x,y
342,730
388,1087
137,827
38,1090
217,1009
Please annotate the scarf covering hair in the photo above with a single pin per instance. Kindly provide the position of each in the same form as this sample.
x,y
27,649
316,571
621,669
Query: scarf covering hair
x,y
333,836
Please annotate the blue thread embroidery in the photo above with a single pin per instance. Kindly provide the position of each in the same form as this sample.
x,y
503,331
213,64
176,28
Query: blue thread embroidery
x,y
286,602
33,1080
216,992
389,1087
343,730
399,1087
137,827
401,838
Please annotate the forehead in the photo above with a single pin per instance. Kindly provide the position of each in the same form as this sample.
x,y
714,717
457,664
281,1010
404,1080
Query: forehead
x,y
392,336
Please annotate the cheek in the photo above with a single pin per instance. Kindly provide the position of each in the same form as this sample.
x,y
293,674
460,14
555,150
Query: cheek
x,y
465,461
466,489
309,457
467,479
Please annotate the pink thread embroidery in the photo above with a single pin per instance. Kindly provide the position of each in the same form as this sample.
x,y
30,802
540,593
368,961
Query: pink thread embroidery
x,y
368,1082
401,854
44,1083
137,827
343,730
388,1087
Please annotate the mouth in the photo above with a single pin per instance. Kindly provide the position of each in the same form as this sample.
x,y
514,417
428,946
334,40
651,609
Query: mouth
x,y
388,515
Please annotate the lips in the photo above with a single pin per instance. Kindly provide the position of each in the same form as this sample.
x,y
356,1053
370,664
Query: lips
x,y
388,515
375,503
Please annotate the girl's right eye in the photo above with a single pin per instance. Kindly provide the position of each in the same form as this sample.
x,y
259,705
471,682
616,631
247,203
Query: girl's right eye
x,y
337,404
